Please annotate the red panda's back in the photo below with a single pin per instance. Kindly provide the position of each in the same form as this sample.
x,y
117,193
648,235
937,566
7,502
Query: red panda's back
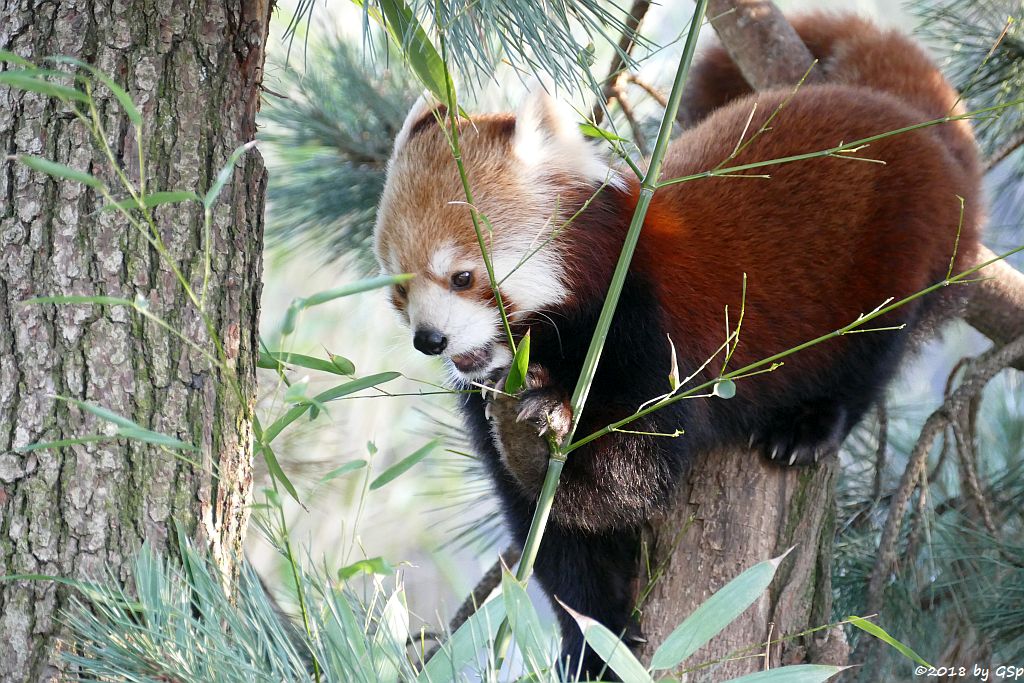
x,y
821,240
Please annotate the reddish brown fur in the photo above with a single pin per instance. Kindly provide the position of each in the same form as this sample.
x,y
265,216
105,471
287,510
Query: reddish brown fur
x,y
852,51
822,240
436,204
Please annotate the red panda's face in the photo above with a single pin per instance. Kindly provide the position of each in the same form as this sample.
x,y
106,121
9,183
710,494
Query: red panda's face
x,y
517,169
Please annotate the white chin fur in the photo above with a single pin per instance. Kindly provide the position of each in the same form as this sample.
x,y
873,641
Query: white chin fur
x,y
501,358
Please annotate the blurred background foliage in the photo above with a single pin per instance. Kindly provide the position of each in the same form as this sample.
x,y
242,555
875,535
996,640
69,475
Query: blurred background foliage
x,y
336,99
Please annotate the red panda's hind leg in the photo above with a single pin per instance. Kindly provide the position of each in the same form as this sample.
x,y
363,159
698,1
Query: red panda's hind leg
x,y
806,435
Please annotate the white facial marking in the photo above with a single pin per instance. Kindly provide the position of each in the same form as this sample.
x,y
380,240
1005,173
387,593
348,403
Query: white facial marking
x,y
443,260
501,359
393,265
531,278
469,325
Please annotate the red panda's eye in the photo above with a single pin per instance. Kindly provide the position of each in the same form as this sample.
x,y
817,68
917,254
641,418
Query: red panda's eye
x,y
400,290
462,279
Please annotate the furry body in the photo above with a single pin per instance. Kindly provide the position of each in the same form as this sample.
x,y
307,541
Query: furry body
x,y
821,242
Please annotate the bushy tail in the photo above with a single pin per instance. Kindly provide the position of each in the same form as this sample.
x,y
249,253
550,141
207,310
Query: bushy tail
x,y
854,51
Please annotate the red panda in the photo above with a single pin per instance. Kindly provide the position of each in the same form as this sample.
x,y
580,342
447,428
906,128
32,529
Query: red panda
x,y
819,241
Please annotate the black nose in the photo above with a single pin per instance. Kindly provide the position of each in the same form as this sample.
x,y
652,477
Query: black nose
x,y
430,342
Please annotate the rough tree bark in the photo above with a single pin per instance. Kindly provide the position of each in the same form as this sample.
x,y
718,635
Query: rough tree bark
x,y
194,69
761,42
736,509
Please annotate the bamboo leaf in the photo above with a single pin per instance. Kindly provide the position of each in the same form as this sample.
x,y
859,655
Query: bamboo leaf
x,y
799,673
592,131
522,617
61,443
101,412
880,633
371,565
358,287
403,465
715,614
331,394
273,360
53,169
126,101
153,199
296,392
419,51
6,56
302,303
459,650
343,470
28,79
290,316
520,366
612,650
149,436
225,174
343,365
127,428
274,468
357,385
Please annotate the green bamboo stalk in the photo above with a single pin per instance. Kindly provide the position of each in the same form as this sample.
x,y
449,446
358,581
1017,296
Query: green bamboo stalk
x,y
593,357
456,148
647,188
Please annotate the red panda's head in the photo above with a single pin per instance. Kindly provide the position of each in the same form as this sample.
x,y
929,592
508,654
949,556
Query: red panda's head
x,y
520,170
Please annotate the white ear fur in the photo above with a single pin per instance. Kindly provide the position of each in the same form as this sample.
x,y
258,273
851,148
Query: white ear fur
x,y
548,138
423,105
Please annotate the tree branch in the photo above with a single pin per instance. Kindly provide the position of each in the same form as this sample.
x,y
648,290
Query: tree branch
x,y
996,306
612,84
761,42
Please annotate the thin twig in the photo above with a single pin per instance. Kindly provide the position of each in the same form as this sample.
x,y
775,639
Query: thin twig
x,y
655,94
618,63
883,444
1006,150
627,110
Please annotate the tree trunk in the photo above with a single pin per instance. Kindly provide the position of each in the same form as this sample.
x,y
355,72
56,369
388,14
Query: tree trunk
x,y
734,510
194,70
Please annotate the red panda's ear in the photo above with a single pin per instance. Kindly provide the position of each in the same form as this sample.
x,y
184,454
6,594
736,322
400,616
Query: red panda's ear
x,y
425,110
548,139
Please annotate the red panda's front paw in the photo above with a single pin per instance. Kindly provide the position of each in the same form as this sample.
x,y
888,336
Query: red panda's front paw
x,y
544,405
521,426
547,411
